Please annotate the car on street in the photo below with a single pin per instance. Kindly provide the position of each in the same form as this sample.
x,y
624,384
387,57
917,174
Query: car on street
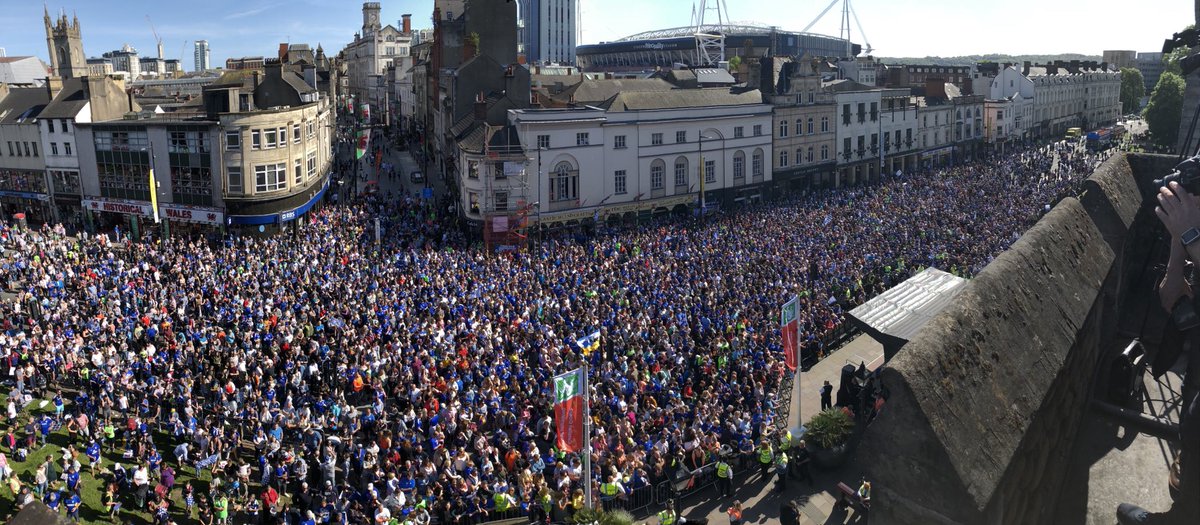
x,y
417,177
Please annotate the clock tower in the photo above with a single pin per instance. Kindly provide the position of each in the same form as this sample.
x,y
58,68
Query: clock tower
x,y
371,17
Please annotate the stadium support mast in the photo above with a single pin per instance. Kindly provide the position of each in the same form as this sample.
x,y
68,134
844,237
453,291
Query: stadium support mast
x,y
844,33
710,40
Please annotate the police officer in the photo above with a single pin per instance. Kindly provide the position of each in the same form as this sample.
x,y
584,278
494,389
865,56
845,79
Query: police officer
x,y
668,516
724,478
781,467
785,444
765,458
609,491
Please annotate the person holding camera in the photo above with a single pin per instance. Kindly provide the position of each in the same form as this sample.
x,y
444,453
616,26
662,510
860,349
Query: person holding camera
x,y
1179,211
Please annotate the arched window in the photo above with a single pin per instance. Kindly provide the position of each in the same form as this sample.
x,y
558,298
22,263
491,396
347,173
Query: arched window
x,y
810,125
564,184
658,171
739,165
799,156
681,171
756,168
799,127
824,124
810,154
783,158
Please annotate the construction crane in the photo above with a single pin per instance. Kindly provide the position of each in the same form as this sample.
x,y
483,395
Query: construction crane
x,y
157,39
182,50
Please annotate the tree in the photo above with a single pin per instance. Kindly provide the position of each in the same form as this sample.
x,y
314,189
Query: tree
x,y
1165,109
1133,88
734,63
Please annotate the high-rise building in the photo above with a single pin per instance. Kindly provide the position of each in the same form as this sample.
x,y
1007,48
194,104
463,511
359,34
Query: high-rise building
x,y
1120,58
201,55
548,30
65,44
1150,63
125,59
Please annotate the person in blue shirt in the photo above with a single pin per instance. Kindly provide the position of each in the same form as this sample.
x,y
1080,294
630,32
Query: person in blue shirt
x,y
72,479
93,454
44,426
52,500
58,406
72,504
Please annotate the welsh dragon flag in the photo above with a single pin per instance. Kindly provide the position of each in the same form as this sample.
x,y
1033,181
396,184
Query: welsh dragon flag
x,y
349,104
364,137
791,333
568,410
366,111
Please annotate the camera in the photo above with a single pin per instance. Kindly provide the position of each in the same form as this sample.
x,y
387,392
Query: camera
x,y
1186,173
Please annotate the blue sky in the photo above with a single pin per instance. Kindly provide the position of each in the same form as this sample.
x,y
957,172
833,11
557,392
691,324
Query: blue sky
x,y
237,28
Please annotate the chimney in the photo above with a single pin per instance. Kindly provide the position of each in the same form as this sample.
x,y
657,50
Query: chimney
x,y
283,51
480,108
1025,71
406,24
257,78
54,86
935,90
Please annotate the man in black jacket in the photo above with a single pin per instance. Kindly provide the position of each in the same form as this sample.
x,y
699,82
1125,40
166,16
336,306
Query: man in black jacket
x,y
789,513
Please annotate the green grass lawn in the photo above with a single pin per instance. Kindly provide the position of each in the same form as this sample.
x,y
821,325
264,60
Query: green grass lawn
x,y
92,487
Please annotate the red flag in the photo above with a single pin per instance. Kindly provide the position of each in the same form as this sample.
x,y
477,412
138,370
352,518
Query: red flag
x,y
791,333
568,410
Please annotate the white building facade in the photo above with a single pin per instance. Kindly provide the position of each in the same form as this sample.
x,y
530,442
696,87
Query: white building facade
x,y
579,164
1066,97
1008,108
200,56
370,55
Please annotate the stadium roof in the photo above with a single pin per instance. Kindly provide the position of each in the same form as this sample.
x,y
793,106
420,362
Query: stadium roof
x,y
741,28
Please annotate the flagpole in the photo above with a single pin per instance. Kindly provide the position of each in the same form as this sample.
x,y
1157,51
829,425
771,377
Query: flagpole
x,y
587,438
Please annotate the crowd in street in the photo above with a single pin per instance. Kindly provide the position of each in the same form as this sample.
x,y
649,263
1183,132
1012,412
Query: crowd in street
x,y
326,377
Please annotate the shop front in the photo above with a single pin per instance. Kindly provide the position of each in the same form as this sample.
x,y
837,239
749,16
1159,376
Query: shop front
x,y
183,220
275,216
105,214
35,206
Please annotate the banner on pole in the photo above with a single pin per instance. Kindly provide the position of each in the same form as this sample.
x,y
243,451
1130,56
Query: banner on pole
x,y
366,112
569,410
590,343
364,137
154,195
791,333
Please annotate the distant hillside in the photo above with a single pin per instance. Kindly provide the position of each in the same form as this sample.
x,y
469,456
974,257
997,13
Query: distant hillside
x,y
975,59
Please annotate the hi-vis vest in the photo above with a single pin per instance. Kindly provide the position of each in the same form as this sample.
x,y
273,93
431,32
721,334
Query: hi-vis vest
x,y
608,489
787,441
666,517
501,500
764,455
722,470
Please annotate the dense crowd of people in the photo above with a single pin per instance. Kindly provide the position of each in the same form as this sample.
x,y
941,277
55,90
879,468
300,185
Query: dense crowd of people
x,y
325,378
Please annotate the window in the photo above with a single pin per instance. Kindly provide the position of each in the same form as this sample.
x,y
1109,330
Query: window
x,y
738,132
472,170
255,139
299,171
282,136
799,156
756,165
739,165
810,125
999,114
862,112
34,144
296,133
269,138
581,139
810,97
619,182
824,124
681,171
783,128
66,148
53,145
10,149
845,114
501,198
656,139
710,171
824,152
473,202
312,165
657,173
178,142
310,129
810,154
65,126
874,111
846,147
783,158
564,184
50,126
874,142
799,127
758,130
619,142
270,177
908,136
543,141
235,179
233,140
862,145
680,137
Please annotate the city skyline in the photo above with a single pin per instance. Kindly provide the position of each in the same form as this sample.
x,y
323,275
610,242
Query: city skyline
x,y
257,27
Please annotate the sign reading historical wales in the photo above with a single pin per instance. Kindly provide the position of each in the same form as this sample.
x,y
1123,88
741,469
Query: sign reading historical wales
x,y
568,410
196,214
119,206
